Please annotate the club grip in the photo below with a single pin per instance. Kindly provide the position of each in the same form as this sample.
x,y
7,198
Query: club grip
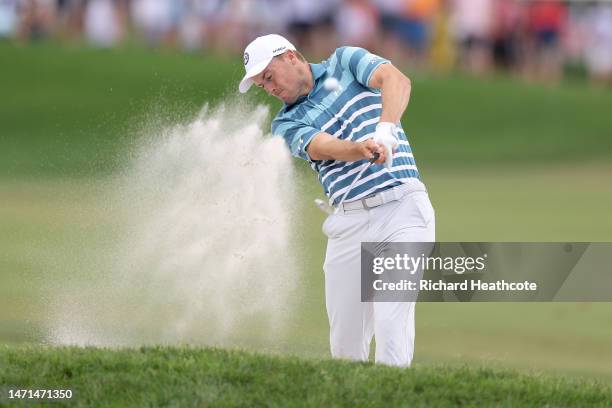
x,y
376,156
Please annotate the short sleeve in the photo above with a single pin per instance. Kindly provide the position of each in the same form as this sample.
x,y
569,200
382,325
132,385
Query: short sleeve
x,y
297,135
360,62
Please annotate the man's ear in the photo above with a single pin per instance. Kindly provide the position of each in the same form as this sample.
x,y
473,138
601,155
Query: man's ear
x,y
291,56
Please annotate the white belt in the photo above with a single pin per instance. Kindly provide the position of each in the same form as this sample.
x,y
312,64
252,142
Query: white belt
x,y
383,197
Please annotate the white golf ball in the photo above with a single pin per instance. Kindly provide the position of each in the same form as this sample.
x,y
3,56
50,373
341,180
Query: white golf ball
x,y
331,84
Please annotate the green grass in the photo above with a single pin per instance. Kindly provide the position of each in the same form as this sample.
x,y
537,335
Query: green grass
x,y
72,110
503,161
192,377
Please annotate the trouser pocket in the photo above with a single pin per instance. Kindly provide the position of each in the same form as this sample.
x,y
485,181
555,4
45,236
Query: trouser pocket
x,y
423,206
343,225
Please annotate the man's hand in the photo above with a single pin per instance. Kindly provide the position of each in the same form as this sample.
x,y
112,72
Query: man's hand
x,y
369,148
386,136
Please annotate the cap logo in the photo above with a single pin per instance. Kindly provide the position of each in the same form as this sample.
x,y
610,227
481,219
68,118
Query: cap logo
x,y
246,58
279,49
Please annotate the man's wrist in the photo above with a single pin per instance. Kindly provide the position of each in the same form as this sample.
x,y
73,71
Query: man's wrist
x,y
386,125
356,151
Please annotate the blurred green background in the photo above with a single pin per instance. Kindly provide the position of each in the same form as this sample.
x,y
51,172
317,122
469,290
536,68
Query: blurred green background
x,y
503,161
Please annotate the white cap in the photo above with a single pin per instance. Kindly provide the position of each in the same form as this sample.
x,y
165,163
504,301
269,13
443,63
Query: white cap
x,y
259,53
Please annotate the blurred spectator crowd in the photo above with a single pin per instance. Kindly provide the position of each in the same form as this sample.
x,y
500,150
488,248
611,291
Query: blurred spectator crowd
x,y
537,39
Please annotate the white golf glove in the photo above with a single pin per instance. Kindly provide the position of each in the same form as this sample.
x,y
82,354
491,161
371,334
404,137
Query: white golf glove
x,y
386,135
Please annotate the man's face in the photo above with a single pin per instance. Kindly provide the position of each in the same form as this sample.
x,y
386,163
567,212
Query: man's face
x,y
282,78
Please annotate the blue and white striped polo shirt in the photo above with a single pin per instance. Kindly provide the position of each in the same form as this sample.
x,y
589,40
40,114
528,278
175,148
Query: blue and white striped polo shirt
x,y
350,113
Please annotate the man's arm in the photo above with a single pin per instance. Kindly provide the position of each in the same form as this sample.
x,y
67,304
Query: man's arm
x,y
395,91
326,147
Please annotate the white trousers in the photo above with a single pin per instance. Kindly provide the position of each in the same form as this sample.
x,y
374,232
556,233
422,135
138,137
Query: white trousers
x,y
353,323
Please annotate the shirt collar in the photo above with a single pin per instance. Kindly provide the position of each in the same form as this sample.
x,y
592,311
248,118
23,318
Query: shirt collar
x,y
317,71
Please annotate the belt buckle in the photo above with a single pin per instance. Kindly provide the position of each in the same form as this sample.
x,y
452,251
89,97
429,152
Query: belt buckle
x,y
365,203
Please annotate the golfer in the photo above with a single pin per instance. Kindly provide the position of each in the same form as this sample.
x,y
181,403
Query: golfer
x,y
339,115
